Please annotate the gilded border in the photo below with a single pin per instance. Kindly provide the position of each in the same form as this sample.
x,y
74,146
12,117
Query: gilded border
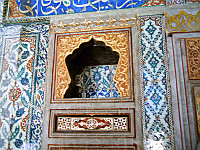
x,y
118,41
193,57
182,22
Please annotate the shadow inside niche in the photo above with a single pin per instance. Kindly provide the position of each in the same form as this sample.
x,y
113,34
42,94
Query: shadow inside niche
x,y
92,53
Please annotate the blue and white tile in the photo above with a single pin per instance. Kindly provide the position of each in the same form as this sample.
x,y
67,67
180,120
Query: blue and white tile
x,y
156,106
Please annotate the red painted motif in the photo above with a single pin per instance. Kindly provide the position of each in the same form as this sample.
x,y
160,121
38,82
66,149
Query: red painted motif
x,y
14,93
29,65
92,123
5,65
192,1
0,123
23,124
154,3
14,11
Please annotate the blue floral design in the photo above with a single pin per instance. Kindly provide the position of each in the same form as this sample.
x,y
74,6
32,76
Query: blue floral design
x,y
97,76
2,142
25,81
25,54
20,112
18,143
5,112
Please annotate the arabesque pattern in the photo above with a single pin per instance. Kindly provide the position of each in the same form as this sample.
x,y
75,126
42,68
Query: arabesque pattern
x,y
155,82
38,8
118,41
183,21
193,58
23,68
92,124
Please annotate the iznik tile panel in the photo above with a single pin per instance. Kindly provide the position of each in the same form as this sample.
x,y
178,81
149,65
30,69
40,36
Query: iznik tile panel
x,y
33,8
154,74
97,82
23,67
92,123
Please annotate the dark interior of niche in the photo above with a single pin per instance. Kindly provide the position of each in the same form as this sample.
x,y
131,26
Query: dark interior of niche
x,y
90,53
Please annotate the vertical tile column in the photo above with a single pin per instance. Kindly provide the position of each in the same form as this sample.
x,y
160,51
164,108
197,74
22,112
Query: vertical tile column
x,y
22,85
156,103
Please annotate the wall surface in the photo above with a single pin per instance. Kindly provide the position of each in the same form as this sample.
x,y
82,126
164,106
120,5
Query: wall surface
x,y
156,69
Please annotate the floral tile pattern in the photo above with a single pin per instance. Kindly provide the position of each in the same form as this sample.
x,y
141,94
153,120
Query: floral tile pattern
x,y
23,67
154,75
97,82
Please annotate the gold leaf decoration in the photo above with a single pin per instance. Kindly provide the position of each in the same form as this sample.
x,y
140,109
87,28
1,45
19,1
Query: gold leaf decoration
x,y
118,41
99,24
193,58
182,22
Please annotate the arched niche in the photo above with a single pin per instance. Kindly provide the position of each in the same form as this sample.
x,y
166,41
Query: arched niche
x,y
97,59
66,45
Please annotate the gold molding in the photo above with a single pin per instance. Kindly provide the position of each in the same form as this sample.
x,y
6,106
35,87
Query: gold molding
x,y
193,57
118,41
182,22
89,25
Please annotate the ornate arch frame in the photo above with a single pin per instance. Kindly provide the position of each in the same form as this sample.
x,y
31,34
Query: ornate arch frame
x,y
119,40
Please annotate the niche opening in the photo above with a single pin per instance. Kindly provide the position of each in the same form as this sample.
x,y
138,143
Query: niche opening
x,y
91,68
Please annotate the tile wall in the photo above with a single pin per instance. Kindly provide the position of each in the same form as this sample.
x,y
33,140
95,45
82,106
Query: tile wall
x,y
156,100
38,8
55,7
23,59
22,81
97,82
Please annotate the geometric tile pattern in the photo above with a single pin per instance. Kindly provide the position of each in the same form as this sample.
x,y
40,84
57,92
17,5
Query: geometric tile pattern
x,y
23,67
97,82
155,82
193,58
92,124
37,8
